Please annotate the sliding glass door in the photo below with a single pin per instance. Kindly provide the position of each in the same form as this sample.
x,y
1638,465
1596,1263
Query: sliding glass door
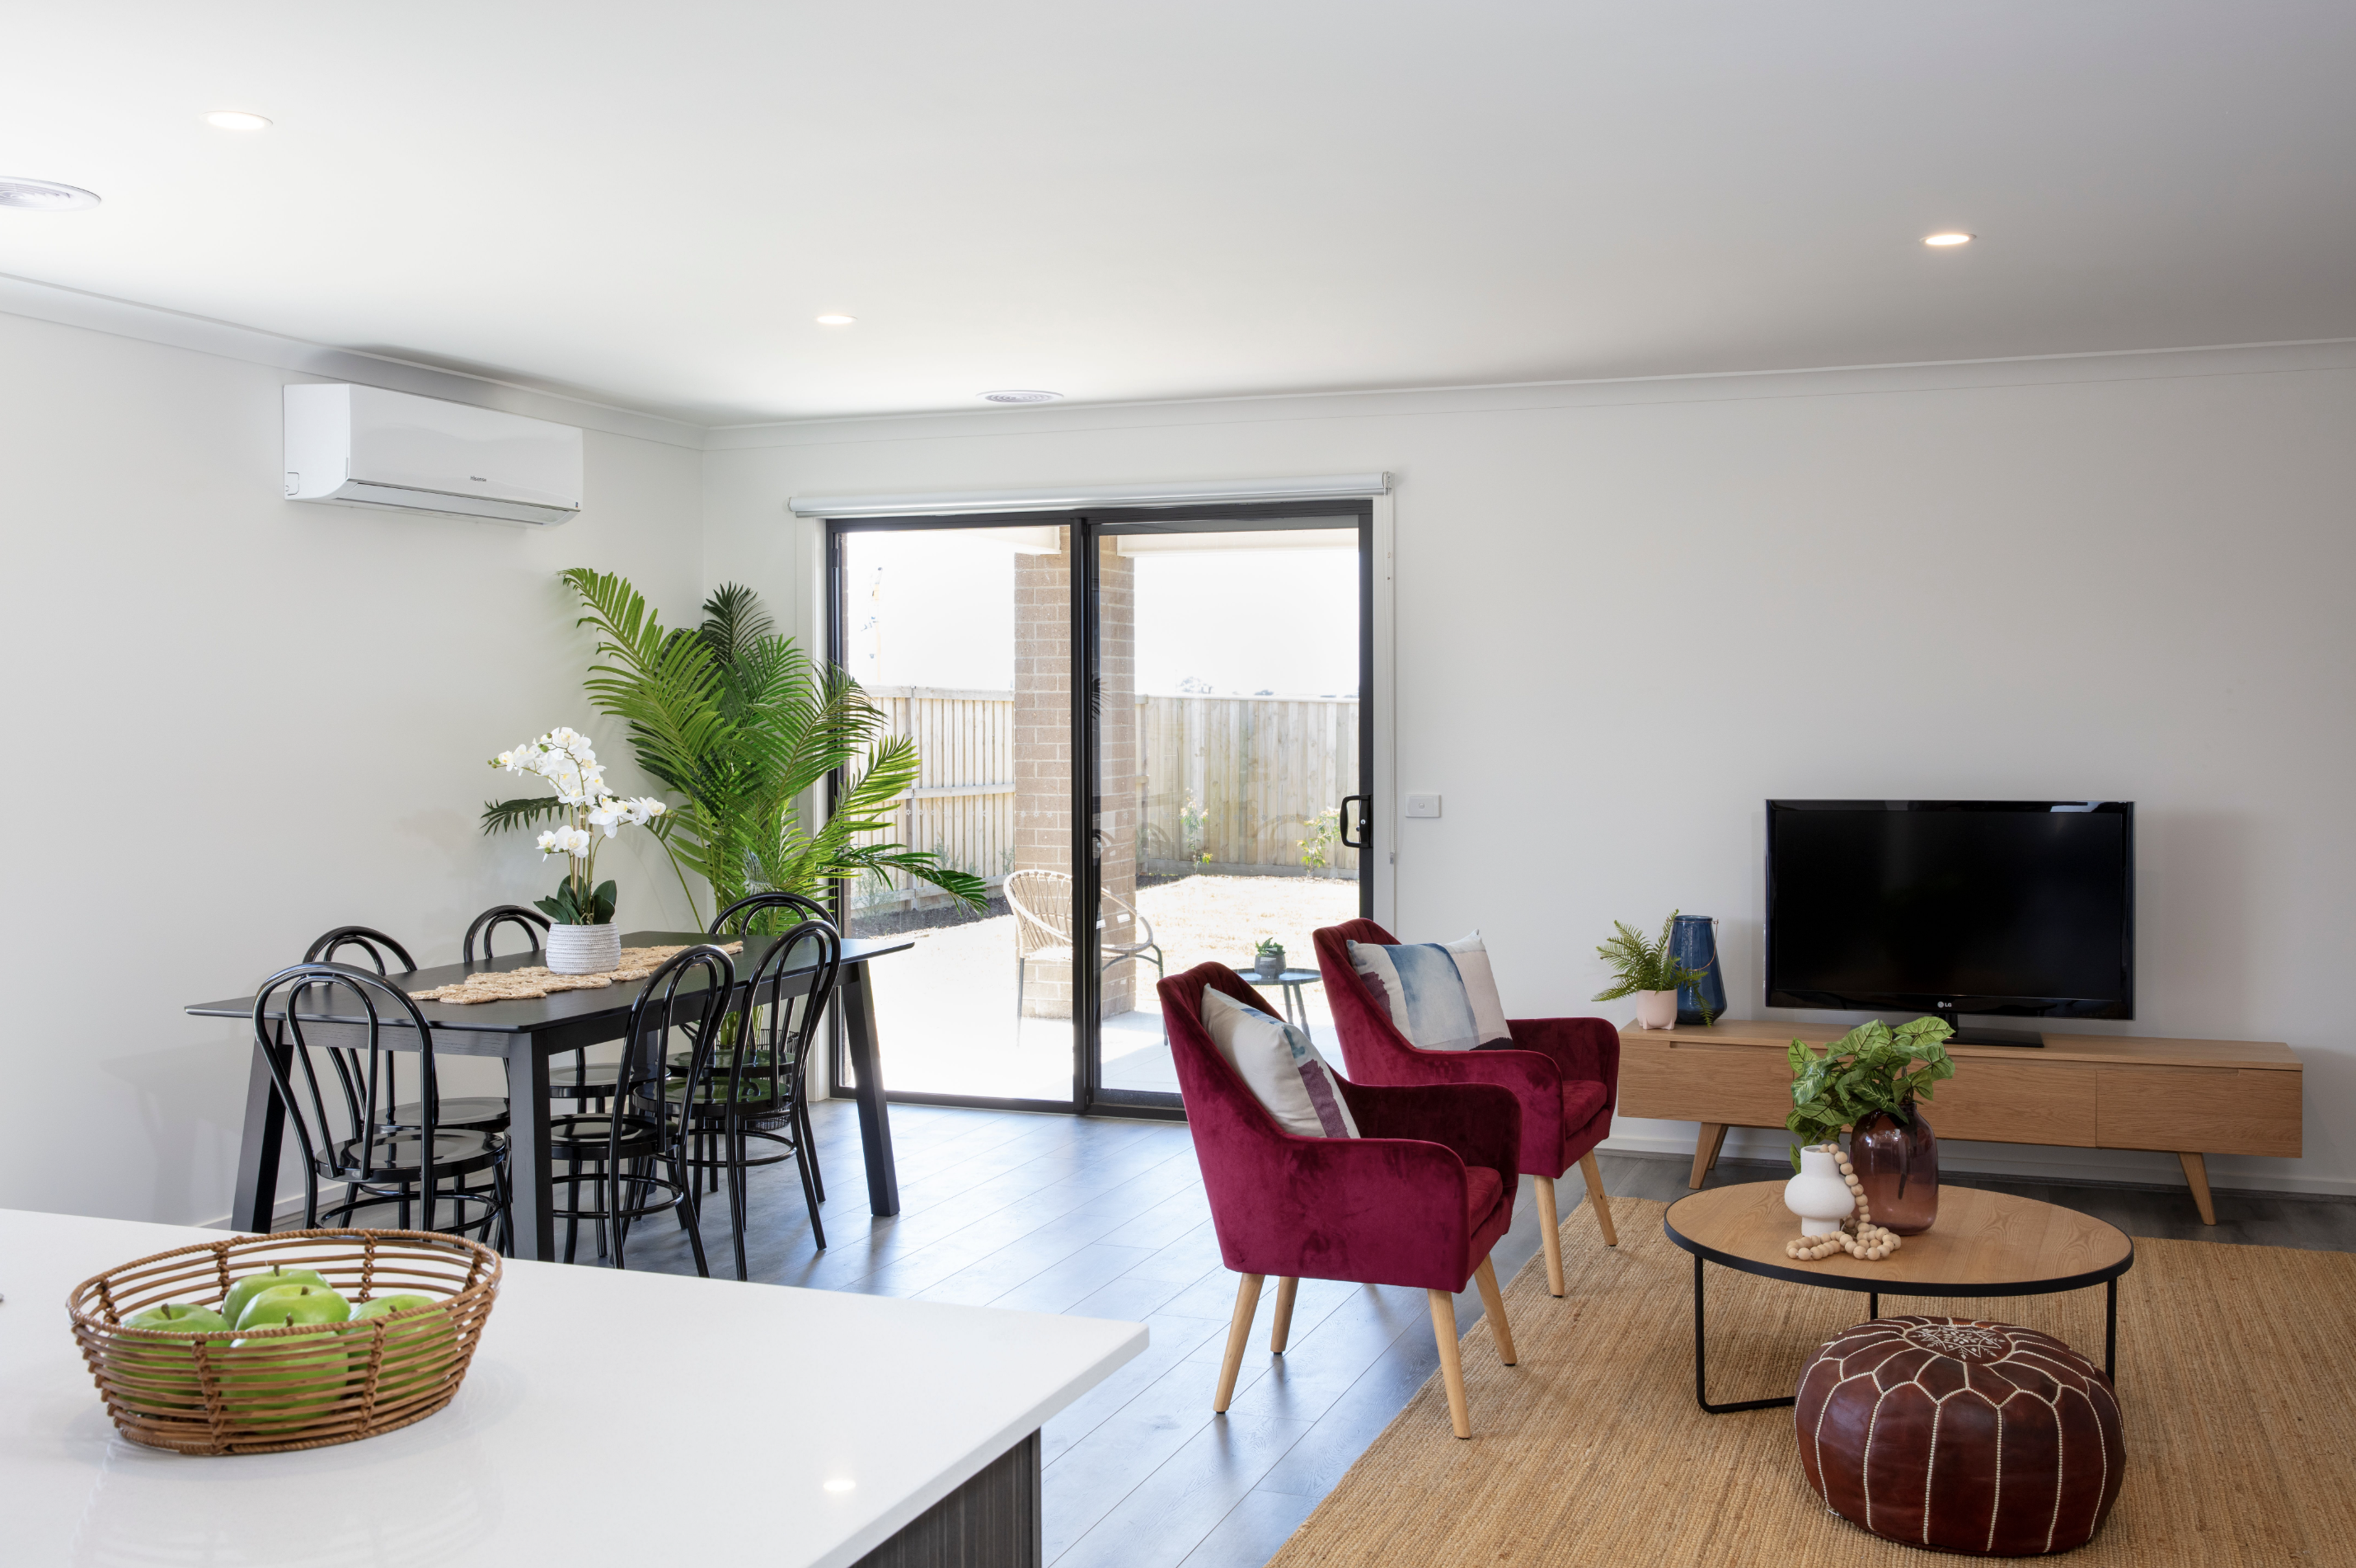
x,y
1142,729
1231,654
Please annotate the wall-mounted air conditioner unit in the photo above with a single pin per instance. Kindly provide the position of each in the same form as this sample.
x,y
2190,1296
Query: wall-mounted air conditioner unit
x,y
366,447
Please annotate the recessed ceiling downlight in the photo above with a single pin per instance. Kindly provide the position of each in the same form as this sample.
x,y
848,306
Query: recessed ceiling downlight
x,y
1950,237
836,318
237,120
43,195
1020,396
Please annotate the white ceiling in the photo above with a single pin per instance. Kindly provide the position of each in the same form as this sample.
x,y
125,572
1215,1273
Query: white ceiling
x,y
648,204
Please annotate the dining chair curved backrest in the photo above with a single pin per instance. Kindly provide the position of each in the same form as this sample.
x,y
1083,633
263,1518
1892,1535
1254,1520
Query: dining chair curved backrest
x,y
667,1001
340,1116
337,946
529,923
331,947
786,995
748,913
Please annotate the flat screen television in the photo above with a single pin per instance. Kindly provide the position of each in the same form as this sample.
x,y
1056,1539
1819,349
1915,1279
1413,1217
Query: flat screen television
x,y
2022,909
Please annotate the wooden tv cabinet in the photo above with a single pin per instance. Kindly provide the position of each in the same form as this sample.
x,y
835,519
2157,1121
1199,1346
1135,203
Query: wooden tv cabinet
x,y
2189,1097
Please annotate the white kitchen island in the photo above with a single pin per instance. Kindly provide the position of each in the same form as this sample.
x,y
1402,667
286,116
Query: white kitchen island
x,y
609,1418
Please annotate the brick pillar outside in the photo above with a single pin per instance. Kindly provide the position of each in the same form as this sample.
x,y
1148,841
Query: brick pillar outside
x,y
1118,734
1042,755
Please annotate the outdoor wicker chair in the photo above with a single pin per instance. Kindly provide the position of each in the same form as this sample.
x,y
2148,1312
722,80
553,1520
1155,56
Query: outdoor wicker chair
x,y
1041,902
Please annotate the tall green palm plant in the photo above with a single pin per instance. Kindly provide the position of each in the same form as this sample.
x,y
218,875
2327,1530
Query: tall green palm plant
x,y
741,725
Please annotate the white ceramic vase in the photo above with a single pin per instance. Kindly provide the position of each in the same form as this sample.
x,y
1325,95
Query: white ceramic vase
x,y
1656,1009
584,949
1819,1194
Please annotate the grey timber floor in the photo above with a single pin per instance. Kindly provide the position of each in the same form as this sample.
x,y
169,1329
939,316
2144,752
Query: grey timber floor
x,y
1106,1218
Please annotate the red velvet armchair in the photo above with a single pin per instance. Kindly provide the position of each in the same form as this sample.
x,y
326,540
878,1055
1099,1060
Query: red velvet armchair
x,y
1563,1072
1419,1198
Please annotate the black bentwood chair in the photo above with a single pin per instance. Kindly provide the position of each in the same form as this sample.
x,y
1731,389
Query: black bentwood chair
x,y
469,1113
588,1082
342,1117
748,1087
643,1129
593,1081
775,911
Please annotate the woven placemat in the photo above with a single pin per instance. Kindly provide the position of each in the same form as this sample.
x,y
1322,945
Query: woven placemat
x,y
537,981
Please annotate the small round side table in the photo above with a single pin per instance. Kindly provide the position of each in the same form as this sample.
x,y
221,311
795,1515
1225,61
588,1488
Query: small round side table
x,y
1296,1007
1984,1243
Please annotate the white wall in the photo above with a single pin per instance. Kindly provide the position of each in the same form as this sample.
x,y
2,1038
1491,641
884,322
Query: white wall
x,y
1627,615
233,723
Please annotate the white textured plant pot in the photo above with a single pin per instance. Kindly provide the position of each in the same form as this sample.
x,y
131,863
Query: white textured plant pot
x,y
1656,1009
1819,1194
584,949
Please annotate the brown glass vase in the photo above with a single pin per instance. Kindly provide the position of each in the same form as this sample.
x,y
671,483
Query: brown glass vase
x,y
1897,1163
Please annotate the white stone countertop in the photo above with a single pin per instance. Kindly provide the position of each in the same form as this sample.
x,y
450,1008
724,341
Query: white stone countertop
x,y
608,1417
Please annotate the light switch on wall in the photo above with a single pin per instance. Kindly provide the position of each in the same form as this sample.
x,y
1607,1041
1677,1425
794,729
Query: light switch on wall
x,y
1423,805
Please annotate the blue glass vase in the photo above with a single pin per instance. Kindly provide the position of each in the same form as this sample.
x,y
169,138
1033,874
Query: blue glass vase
x,y
1694,943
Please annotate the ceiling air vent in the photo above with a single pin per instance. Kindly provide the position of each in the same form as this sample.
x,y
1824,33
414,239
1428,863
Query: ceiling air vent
x,y
1020,396
42,195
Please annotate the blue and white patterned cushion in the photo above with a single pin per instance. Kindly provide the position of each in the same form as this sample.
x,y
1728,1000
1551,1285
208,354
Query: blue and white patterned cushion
x,y
1441,995
1280,1068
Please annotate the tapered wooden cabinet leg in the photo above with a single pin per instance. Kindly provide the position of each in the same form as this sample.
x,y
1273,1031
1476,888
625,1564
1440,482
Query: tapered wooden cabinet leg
x,y
1485,1276
1238,1335
1550,1234
2196,1176
1596,1197
1451,1366
1282,1334
1706,1143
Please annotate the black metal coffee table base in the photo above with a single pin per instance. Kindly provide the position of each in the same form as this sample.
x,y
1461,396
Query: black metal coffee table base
x,y
1872,1310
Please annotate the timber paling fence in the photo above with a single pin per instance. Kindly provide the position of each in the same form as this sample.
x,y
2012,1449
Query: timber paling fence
x,y
1239,785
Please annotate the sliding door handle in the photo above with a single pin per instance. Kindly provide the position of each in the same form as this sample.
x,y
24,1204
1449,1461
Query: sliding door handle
x,y
1364,801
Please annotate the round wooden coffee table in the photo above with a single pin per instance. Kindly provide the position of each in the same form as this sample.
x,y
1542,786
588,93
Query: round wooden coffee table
x,y
1984,1243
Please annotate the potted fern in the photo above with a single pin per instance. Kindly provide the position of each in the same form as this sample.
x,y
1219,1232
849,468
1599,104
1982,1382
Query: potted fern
x,y
1650,973
744,728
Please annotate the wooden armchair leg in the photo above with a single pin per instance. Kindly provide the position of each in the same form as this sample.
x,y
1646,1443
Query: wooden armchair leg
x,y
1281,1335
1238,1335
1602,1205
1550,1234
1451,1366
1485,1276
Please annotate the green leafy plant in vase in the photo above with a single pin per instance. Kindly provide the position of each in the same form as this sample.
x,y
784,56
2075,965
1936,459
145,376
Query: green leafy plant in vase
x,y
1872,1082
1269,955
1648,971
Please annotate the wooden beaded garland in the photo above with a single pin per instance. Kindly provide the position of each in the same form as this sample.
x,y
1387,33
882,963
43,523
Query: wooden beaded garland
x,y
1859,1236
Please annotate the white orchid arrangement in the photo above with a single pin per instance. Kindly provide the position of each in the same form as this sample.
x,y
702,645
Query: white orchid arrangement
x,y
566,758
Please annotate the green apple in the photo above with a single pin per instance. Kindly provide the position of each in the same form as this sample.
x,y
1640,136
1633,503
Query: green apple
x,y
292,1306
289,1378
242,1294
179,1320
416,1349
151,1372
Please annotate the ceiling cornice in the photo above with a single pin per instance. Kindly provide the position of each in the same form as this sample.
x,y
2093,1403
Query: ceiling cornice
x,y
178,329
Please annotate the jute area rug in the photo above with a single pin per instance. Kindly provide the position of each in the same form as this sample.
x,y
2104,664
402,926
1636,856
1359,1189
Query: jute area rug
x,y
2237,1375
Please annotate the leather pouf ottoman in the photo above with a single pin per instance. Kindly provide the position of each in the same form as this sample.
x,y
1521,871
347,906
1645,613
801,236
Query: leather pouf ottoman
x,y
1960,1434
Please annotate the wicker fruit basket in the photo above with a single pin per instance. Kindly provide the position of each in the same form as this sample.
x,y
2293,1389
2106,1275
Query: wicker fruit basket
x,y
277,1389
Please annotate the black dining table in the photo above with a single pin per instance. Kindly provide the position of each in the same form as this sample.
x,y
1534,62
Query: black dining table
x,y
527,1033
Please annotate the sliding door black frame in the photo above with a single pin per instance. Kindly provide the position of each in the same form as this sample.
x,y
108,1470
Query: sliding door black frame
x,y
1087,529
1088,895
837,653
